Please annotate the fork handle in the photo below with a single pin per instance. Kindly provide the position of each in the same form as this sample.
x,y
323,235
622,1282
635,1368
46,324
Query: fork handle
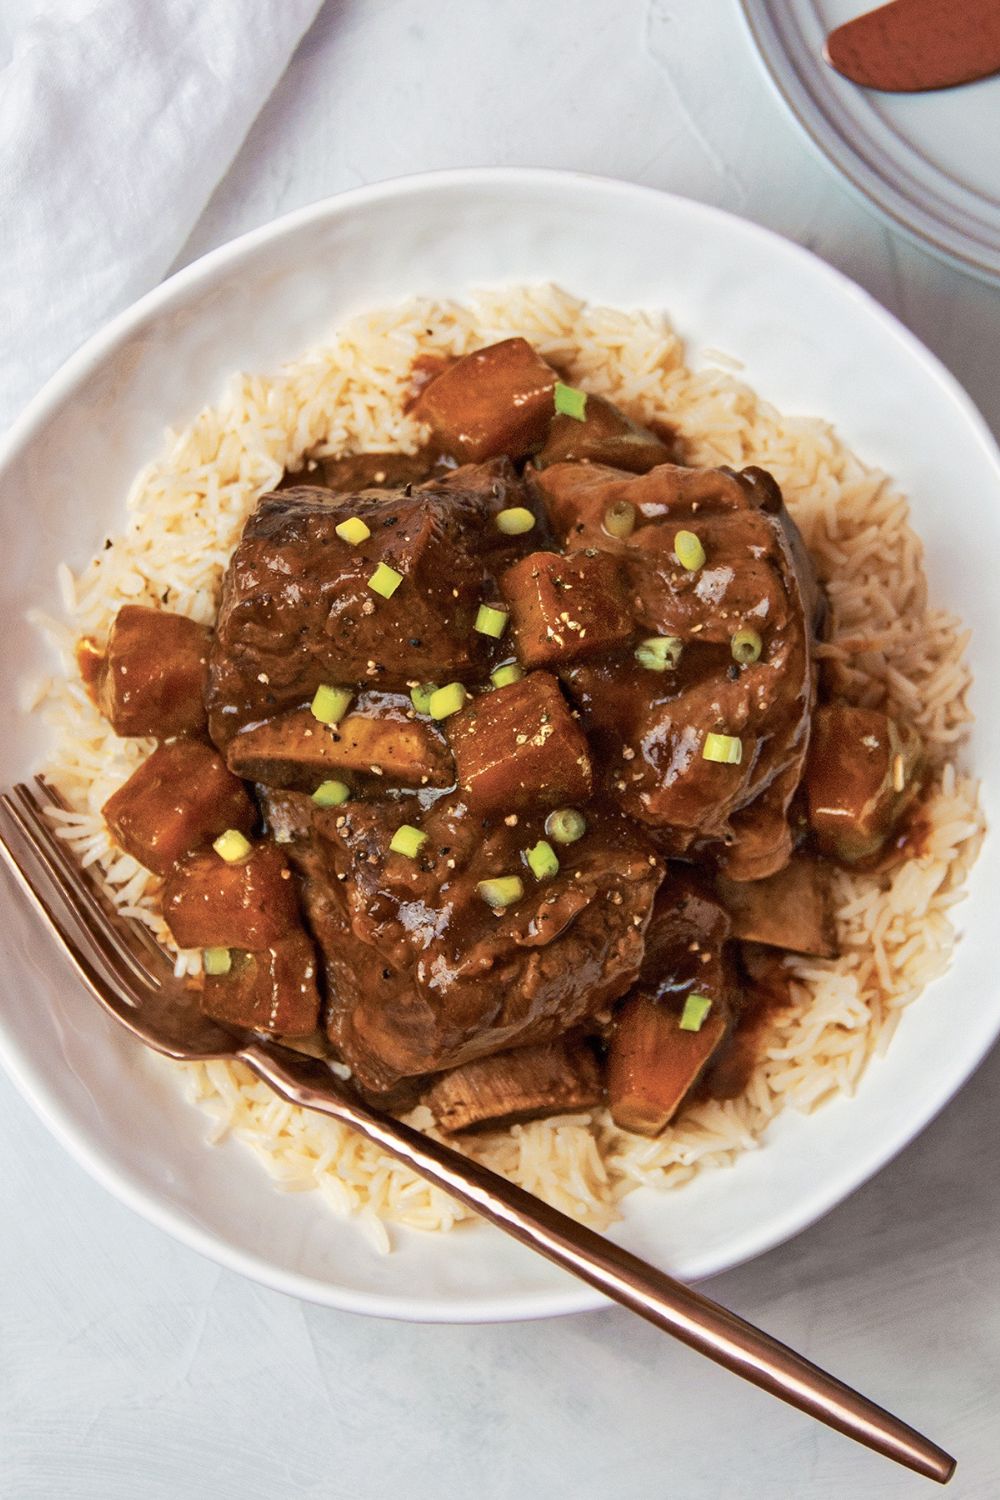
x,y
614,1271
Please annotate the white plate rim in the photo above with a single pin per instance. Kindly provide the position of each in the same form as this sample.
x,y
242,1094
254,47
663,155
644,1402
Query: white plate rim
x,y
575,1297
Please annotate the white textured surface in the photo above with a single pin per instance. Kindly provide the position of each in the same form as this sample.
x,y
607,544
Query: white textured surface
x,y
130,1366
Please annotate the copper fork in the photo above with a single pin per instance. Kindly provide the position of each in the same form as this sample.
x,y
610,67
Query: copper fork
x,y
132,977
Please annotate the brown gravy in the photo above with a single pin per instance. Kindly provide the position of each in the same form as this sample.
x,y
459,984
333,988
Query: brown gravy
x,y
89,660
425,368
766,989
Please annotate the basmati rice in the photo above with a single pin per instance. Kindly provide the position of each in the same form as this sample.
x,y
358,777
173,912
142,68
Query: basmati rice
x,y
888,647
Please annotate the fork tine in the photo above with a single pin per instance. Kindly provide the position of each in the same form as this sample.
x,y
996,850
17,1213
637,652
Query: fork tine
x,y
124,969
54,798
54,916
160,1010
82,891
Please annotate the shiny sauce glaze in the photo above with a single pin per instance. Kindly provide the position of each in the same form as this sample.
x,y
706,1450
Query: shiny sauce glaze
x,y
516,712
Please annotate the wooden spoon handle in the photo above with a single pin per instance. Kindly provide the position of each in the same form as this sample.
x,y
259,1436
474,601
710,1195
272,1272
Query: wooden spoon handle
x,y
911,45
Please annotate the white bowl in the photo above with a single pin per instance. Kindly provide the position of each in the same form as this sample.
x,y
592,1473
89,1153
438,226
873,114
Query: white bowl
x,y
811,342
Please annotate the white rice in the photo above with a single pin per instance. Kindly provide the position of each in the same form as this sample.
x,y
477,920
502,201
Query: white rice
x,y
888,647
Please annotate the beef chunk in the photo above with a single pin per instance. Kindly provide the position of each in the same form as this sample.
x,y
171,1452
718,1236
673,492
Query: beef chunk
x,y
496,400
153,678
861,775
421,973
208,903
273,989
790,909
605,436
551,1078
746,576
653,1064
766,989
686,944
297,610
179,799
294,750
758,841
90,665
564,608
519,747
576,497
649,727
652,727
360,471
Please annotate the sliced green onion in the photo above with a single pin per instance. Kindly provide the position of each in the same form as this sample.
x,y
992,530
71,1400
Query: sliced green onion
x,y
696,1008
330,704
659,653
407,840
421,696
503,891
515,520
542,860
216,960
448,700
570,402
504,676
746,646
727,749
690,552
232,846
490,621
619,519
385,581
353,531
331,793
898,774
565,825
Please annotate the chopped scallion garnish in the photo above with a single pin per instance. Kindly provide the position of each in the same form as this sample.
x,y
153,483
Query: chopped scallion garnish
x,y
385,581
353,531
565,825
515,520
232,846
407,840
727,749
504,676
690,552
331,793
330,704
570,402
421,696
490,621
448,700
502,891
217,960
619,519
659,653
543,861
898,773
746,646
696,1008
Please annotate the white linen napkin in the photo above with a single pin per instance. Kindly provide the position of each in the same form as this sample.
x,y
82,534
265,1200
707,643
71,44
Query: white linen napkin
x,y
117,120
